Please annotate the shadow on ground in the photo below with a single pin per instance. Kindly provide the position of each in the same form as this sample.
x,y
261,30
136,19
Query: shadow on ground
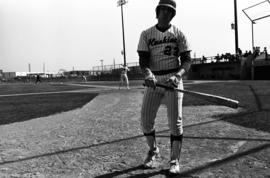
x,y
194,170
137,171
23,108
258,120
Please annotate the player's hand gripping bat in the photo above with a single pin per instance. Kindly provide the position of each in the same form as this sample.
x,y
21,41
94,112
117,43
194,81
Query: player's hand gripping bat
x,y
208,97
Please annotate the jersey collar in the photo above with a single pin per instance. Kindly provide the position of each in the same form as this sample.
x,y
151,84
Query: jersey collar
x,y
162,30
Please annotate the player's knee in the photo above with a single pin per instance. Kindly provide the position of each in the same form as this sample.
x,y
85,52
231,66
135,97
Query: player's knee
x,y
147,124
176,126
177,131
147,128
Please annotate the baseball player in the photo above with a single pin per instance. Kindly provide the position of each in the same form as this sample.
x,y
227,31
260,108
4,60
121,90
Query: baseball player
x,y
84,78
164,57
124,77
37,79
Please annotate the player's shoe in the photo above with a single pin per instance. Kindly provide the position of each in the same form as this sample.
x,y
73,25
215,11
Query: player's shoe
x,y
151,158
174,167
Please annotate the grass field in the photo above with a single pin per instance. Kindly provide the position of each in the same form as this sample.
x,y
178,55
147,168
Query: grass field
x,y
92,130
25,101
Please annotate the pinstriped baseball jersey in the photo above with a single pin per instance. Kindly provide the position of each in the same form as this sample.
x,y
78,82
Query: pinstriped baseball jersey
x,y
164,47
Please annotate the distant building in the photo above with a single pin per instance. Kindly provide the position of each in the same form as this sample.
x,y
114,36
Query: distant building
x,y
261,67
21,74
9,75
215,71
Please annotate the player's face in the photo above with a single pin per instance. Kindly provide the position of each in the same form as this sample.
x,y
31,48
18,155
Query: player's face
x,y
165,14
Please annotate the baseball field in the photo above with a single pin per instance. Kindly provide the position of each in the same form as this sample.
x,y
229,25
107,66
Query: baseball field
x,y
81,130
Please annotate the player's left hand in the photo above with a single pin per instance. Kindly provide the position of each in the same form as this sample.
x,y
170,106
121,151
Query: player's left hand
x,y
173,81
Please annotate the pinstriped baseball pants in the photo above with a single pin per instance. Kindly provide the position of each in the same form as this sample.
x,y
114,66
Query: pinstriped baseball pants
x,y
152,100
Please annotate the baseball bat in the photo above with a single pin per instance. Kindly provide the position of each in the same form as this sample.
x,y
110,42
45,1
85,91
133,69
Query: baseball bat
x,y
208,97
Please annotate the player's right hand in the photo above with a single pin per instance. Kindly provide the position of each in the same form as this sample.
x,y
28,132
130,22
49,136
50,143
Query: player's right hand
x,y
150,81
173,81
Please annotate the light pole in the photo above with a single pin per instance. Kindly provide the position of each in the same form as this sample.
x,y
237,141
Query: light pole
x,y
252,28
252,31
252,34
29,67
44,68
121,3
253,20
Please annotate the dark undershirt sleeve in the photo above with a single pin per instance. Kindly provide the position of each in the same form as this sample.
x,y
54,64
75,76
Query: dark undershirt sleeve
x,y
144,59
185,60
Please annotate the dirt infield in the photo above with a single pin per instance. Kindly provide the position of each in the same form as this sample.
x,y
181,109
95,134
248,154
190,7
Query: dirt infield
x,y
104,139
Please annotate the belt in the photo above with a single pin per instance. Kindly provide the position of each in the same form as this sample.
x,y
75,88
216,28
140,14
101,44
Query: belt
x,y
164,72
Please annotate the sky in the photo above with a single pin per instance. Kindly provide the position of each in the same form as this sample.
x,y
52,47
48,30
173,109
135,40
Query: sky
x,y
77,34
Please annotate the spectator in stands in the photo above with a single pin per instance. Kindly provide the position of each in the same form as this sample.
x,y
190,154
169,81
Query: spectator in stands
x,y
217,57
256,51
204,59
238,54
239,51
245,54
265,52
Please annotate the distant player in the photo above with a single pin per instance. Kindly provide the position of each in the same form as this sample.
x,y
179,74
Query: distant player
x,y
164,57
37,79
84,78
123,77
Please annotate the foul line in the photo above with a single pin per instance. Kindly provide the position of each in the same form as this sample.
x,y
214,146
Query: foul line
x,y
55,92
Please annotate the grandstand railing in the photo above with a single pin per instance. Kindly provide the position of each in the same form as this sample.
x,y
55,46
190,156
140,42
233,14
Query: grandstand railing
x,y
209,59
107,68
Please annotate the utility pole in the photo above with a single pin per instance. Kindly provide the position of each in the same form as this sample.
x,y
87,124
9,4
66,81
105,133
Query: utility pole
x,y
121,3
44,67
236,27
29,67
101,64
29,70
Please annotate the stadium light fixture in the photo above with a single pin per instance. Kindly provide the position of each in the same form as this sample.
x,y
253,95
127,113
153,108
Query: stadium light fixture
x,y
253,20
